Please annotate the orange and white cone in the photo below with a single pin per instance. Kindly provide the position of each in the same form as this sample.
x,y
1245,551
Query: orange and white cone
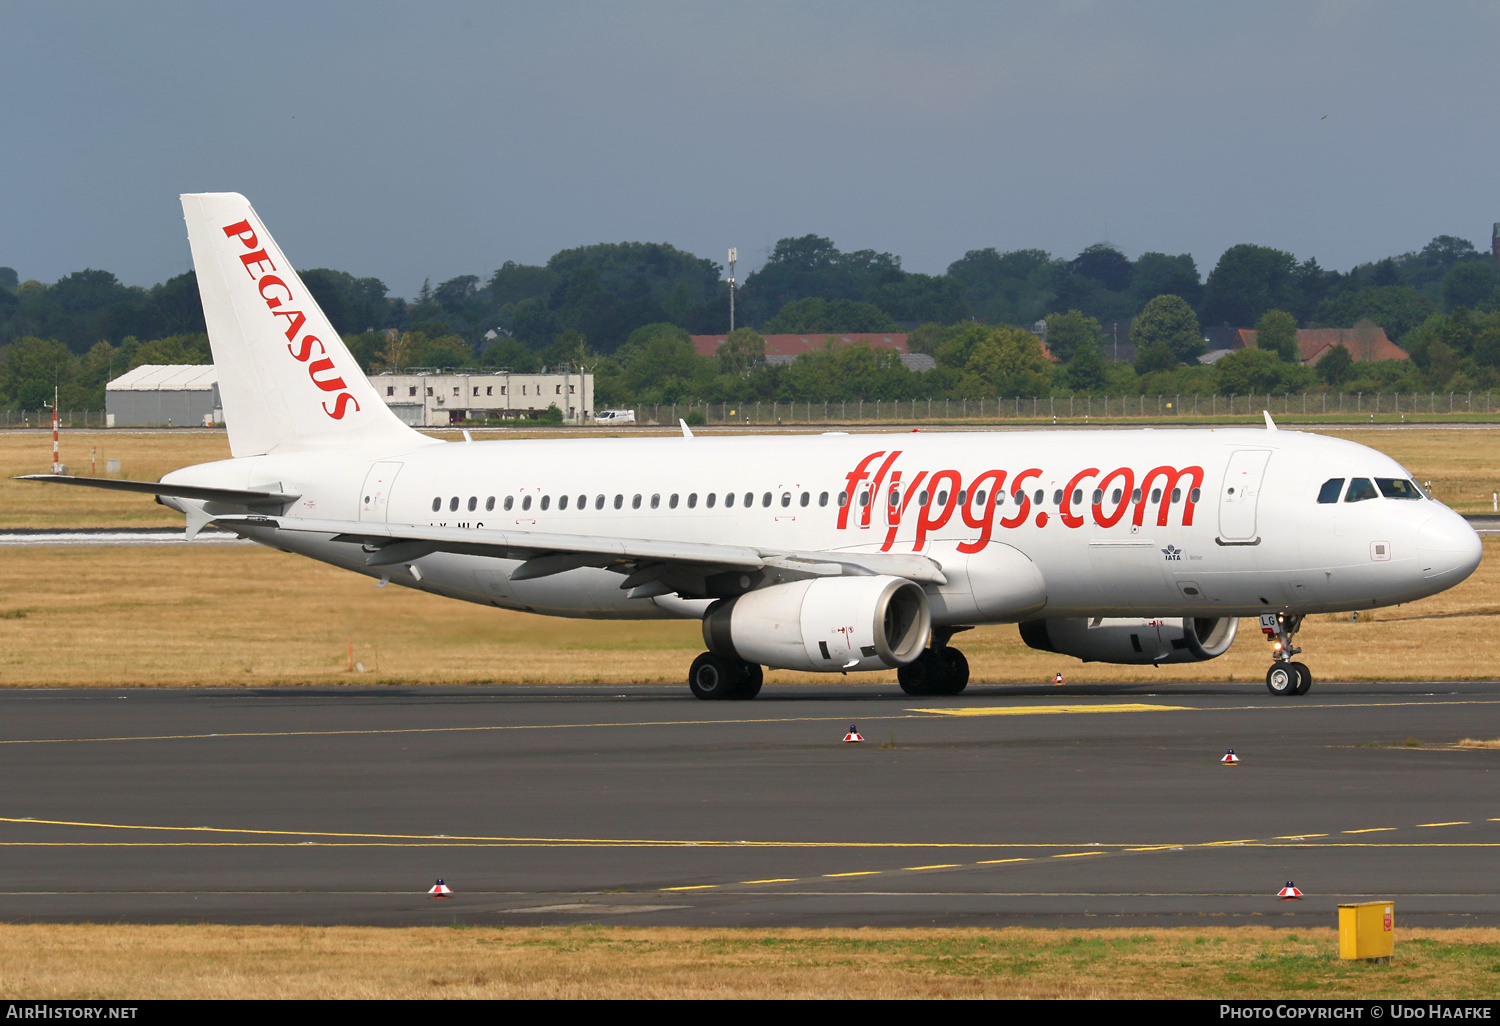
x,y
1289,893
440,890
1230,759
853,734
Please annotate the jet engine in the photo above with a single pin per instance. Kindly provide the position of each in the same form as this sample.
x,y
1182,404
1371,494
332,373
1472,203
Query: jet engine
x,y
1134,640
829,624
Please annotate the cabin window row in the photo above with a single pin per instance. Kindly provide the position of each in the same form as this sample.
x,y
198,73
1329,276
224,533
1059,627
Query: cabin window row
x,y
510,502
768,499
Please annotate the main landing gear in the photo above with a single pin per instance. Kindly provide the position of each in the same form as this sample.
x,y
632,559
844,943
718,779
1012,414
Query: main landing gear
x,y
715,677
1285,677
939,670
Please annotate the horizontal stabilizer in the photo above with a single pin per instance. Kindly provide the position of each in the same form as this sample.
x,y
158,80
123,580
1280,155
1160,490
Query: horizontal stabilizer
x,y
233,496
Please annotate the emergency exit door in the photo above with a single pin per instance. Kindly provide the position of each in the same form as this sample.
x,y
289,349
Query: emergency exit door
x,y
376,497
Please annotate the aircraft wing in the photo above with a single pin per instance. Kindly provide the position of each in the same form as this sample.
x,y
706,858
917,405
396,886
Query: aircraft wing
x,y
658,566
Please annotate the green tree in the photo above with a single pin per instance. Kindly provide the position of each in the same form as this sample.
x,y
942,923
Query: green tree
x,y
1086,371
1334,367
1170,321
32,366
1396,308
174,349
1474,283
1066,332
816,316
1154,356
1247,281
742,352
1248,371
1157,274
1276,332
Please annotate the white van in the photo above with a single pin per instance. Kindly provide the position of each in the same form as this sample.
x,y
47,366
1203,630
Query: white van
x,y
614,416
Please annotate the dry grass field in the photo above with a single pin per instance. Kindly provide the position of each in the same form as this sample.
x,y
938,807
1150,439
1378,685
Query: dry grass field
x,y
203,961
239,615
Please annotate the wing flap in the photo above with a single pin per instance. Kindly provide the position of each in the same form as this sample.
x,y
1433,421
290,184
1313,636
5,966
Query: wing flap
x,y
543,553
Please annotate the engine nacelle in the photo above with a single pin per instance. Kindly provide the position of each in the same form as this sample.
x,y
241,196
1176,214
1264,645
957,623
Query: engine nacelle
x,y
828,624
1134,640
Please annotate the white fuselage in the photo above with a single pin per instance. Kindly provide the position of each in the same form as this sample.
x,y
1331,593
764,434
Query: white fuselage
x,y
1227,522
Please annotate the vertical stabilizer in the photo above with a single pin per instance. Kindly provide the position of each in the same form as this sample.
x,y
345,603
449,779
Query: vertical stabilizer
x,y
286,379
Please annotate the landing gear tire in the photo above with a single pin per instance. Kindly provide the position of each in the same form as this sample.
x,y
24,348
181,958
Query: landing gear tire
x,y
957,668
714,678
1304,678
1282,679
941,671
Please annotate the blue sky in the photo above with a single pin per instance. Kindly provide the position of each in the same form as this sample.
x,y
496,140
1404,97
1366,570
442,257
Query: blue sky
x,y
408,141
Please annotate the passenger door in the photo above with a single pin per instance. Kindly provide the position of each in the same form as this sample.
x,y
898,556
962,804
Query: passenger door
x,y
1238,495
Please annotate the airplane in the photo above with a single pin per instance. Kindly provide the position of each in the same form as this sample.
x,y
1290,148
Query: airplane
x,y
831,553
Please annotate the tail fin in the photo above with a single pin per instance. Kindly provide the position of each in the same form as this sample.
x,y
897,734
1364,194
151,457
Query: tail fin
x,y
287,381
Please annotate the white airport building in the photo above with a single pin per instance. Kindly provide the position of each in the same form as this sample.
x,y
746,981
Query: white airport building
x,y
177,395
441,398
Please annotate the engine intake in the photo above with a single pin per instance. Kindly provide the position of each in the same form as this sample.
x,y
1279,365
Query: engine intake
x,y
828,625
1134,641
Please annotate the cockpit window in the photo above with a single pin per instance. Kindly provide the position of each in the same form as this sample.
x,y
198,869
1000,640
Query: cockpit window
x,y
1330,490
1361,489
1398,488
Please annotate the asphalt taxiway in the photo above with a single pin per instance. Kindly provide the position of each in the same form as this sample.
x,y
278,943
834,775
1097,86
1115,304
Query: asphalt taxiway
x,y
1074,805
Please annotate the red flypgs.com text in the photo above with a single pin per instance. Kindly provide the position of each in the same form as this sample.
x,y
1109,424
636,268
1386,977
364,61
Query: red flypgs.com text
x,y
890,492
280,301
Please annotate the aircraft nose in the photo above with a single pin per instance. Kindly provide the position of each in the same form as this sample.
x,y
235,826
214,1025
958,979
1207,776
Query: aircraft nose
x,y
1448,548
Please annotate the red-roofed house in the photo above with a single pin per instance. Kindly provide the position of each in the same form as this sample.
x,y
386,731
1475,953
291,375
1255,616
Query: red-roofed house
x,y
1316,342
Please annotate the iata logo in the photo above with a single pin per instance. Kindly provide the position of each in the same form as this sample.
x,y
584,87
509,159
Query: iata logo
x,y
280,301
1172,552
946,492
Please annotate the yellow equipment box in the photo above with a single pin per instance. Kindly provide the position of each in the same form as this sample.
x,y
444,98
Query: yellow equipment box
x,y
1367,930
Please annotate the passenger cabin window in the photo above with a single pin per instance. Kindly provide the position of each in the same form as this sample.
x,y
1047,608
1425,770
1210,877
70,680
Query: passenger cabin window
x,y
765,500
823,499
510,501
1361,489
749,499
656,500
635,503
1330,490
562,502
473,503
598,502
806,498
1078,496
1156,495
728,499
843,499
619,501
1057,497
583,502
526,502
1039,496
979,497
923,498
489,504
672,502
942,498
546,501
453,504
708,500
1098,496
692,500
437,504
1397,488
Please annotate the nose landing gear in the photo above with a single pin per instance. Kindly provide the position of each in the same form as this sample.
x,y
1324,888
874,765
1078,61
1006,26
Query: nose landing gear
x,y
1285,677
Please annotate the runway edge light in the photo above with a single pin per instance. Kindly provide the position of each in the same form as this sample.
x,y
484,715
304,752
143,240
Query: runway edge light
x,y
1230,759
853,734
440,890
1289,892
